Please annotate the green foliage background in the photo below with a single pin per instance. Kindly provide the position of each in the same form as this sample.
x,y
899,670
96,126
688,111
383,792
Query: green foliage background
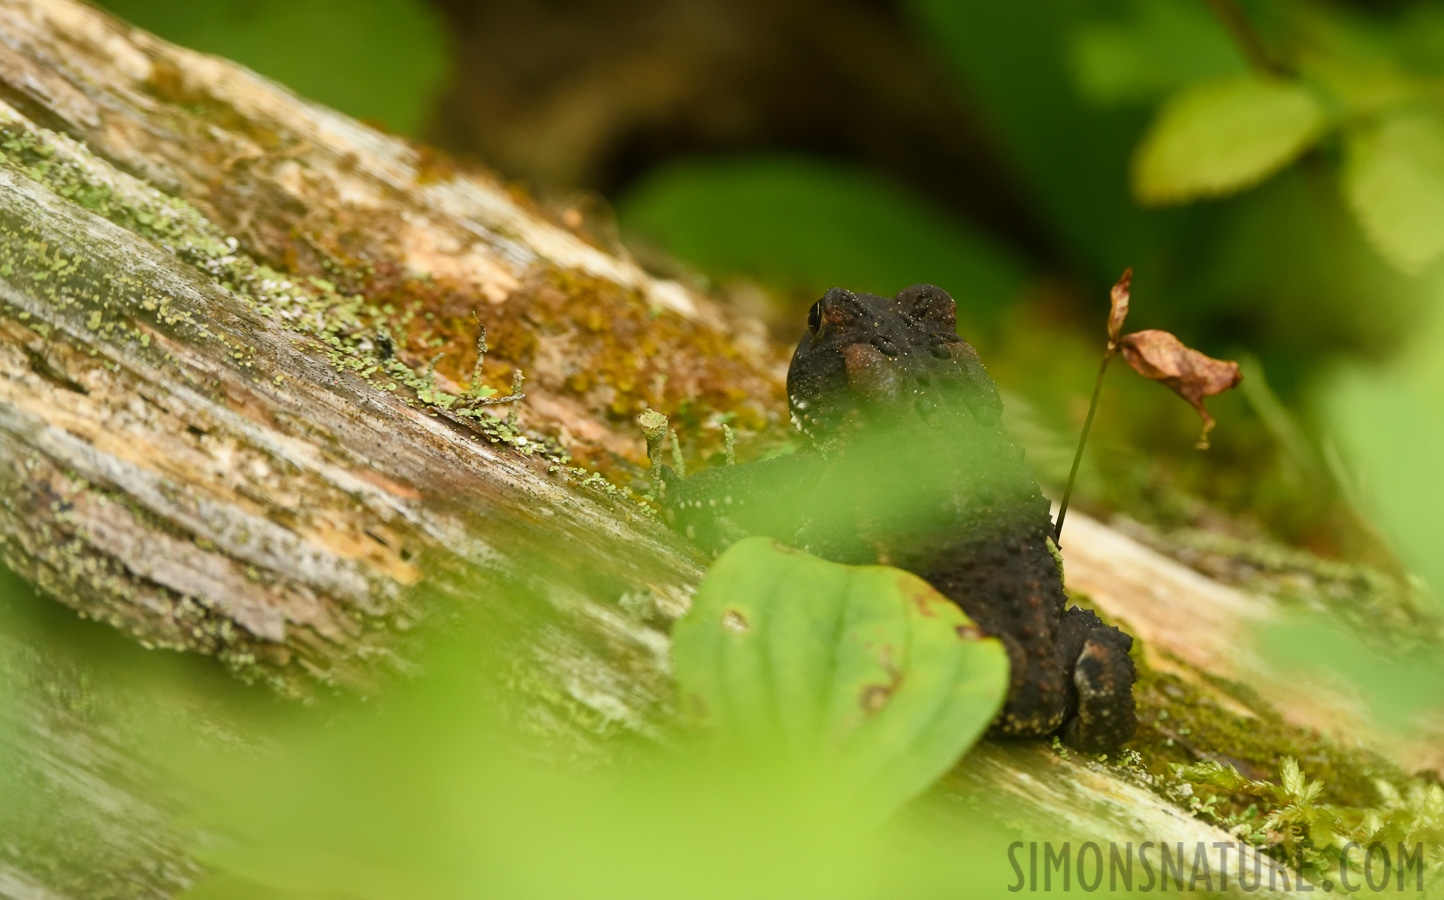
x,y
378,60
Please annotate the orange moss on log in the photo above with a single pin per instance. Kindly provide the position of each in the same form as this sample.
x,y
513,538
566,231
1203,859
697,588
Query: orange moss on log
x,y
594,353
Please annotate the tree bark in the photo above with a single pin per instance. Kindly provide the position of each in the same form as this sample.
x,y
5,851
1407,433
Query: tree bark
x,y
224,429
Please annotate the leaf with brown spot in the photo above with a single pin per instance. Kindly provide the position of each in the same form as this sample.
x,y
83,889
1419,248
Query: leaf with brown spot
x,y
863,677
1159,356
1118,308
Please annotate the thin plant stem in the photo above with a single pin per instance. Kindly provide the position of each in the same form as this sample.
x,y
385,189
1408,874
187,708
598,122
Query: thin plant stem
x,y
1246,37
517,380
1082,439
654,429
474,386
678,461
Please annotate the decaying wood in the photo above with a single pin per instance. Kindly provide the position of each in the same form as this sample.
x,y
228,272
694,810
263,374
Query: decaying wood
x,y
208,441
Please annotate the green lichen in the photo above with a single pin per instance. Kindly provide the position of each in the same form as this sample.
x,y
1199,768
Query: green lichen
x,y
386,325
1057,558
351,330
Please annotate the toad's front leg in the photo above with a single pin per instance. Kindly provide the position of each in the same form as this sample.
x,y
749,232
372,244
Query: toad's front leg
x,y
718,506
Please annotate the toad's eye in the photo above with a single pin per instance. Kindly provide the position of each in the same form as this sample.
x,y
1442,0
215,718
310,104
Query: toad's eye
x,y
838,308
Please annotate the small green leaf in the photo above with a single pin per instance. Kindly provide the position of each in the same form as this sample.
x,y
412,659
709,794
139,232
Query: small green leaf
x,y
1290,776
1223,136
861,675
1156,49
1394,180
1212,772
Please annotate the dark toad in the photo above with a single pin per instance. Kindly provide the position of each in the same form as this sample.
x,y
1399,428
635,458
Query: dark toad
x,y
909,465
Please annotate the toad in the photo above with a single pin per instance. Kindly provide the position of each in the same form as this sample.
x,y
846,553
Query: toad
x,y
908,465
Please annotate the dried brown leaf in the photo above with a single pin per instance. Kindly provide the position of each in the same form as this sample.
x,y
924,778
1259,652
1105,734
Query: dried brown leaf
x,y
1161,357
1118,309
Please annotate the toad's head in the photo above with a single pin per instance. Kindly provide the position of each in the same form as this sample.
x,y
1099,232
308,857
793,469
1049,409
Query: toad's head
x,y
867,358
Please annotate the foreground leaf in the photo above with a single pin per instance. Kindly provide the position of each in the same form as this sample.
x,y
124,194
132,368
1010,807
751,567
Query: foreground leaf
x,y
1394,181
1161,357
1224,136
863,676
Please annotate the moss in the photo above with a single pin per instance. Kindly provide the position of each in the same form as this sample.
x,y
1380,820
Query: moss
x,y
624,356
1185,736
414,336
326,272
1181,723
1057,555
167,82
1187,727
1289,821
348,327
1188,734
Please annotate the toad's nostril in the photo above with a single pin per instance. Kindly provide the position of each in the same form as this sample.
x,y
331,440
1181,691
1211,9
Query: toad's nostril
x,y
941,351
886,346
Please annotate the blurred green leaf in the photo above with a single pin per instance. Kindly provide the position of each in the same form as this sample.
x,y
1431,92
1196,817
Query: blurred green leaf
x,y
1162,46
1395,687
810,225
1394,181
1389,424
1212,772
1359,75
862,673
1221,137
427,792
1283,268
373,59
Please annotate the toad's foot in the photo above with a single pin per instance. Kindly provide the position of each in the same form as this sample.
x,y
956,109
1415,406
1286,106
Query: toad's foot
x,y
1103,676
